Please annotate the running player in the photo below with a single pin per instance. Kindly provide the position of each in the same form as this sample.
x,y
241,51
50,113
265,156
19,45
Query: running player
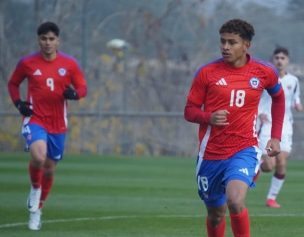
x,y
291,88
223,100
53,78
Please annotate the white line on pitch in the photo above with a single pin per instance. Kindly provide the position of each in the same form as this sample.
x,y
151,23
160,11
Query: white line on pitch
x,y
2,226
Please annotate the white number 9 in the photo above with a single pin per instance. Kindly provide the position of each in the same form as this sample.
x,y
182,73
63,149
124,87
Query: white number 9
x,y
50,83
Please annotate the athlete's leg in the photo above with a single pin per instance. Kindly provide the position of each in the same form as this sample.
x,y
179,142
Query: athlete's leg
x,y
281,163
236,191
38,151
211,190
216,221
36,166
268,163
36,139
47,180
238,178
55,149
277,179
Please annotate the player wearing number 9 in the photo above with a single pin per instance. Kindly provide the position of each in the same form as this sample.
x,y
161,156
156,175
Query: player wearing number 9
x,y
223,100
53,78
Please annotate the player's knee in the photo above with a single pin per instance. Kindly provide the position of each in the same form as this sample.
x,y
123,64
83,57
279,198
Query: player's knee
x,y
38,158
266,167
235,207
38,163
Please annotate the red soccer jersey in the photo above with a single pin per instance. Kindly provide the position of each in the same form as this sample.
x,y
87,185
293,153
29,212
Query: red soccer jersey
x,y
219,86
47,81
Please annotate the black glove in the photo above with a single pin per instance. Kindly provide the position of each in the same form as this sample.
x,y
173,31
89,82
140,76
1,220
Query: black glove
x,y
24,108
70,94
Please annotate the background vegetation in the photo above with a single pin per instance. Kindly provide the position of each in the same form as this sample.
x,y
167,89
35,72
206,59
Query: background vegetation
x,y
136,95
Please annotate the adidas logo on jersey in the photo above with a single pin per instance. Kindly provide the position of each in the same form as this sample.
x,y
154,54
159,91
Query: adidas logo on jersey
x,y
222,82
37,73
244,170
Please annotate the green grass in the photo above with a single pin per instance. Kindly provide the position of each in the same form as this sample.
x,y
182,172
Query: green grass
x,y
138,197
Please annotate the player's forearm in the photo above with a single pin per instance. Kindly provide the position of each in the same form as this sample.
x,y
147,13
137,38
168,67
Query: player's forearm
x,y
194,114
13,90
277,114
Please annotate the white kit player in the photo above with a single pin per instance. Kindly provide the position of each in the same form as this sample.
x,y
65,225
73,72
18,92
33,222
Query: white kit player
x,y
291,89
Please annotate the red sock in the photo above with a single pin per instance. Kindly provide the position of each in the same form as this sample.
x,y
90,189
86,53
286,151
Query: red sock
x,y
217,231
35,176
240,224
47,183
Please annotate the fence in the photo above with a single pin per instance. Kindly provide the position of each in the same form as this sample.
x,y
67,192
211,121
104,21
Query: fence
x,y
120,133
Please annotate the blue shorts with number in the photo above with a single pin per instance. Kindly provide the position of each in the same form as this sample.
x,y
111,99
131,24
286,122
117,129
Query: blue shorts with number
x,y
213,175
54,142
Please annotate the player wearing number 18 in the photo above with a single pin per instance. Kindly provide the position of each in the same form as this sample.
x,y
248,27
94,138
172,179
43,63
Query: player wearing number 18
x,y
223,100
53,78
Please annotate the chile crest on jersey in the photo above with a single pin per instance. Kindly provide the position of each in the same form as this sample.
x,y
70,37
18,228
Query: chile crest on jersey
x,y
254,82
62,71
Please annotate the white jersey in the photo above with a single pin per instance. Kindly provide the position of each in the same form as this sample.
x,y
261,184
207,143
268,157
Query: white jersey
x,y
291,89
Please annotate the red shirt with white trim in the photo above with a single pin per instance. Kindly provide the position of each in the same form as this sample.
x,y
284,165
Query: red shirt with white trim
x,y
47,81
219,86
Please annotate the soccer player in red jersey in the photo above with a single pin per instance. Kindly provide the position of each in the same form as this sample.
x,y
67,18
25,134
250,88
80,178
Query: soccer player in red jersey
x,y
53,78
223,100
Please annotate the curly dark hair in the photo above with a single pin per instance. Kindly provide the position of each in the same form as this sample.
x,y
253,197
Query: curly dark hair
x,y
240,27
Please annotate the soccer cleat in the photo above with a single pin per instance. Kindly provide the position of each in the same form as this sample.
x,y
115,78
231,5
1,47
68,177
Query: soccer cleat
x,y
272,203
34,199
35,220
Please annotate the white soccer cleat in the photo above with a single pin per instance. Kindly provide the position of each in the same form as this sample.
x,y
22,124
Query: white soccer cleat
x,y
34,199
35,220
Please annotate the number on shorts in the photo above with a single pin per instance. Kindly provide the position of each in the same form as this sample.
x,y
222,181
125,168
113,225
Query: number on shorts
x,y
202,182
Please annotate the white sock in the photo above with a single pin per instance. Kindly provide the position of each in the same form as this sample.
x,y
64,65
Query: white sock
x,y
275,187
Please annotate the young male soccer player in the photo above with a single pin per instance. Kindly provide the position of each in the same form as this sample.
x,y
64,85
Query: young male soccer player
x,y
53,78
223,100
291,88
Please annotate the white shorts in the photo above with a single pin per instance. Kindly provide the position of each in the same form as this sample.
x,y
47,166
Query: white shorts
x,y
286,140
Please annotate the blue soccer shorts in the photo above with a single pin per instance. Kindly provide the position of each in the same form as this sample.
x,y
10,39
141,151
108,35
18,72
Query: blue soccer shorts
x,y
214,175
54,142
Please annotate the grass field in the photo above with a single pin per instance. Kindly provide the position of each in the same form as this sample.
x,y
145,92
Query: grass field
x,y
138,197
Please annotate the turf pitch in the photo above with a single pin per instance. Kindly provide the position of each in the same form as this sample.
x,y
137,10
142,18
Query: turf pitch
x,y
135,196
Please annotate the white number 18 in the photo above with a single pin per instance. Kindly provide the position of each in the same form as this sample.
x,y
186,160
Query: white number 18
x,y
237,98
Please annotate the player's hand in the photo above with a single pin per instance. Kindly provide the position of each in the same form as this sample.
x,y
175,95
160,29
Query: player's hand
x,y
70,94
273,147
24,108
219,118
